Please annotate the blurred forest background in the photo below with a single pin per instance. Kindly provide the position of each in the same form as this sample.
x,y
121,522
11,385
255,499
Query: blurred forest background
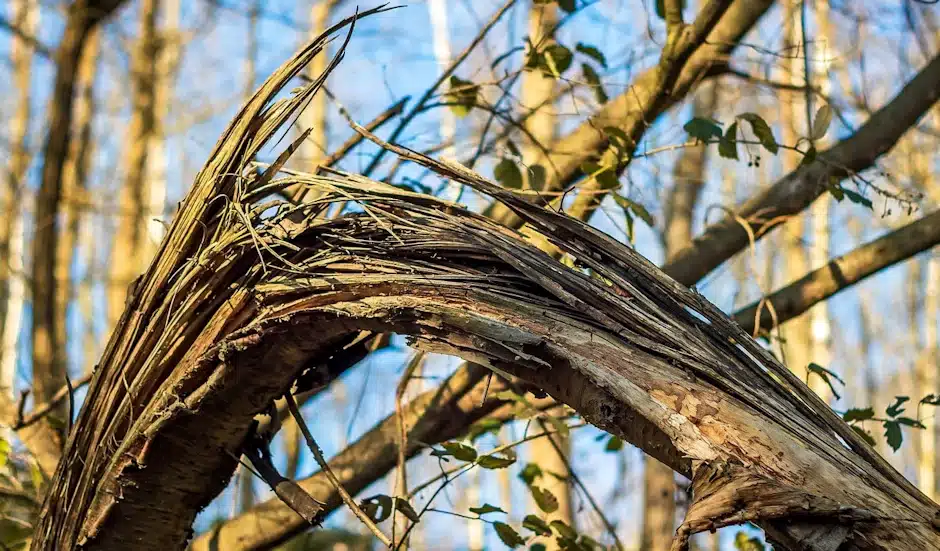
x,y
90,182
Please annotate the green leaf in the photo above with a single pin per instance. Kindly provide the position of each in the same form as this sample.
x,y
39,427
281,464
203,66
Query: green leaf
x,y
35,475
858,414
559,425
592,52
857,198
587,542
827,376
557,59
762,130
463,95
821,122
614,444
809,156
530,473
4,452
460,451
537,176
866,436
837,192
406,509
628,219
486,508
508,535
619,140
511,146
728,145
635,208
639,210
508,174
508,396
563,529
533,59
931,400
594,81
603,174
568,544
496,461
608,180
546,500
703,129
893,434
896,408
536,525
567,5
908,422
745,542
378,507
590,168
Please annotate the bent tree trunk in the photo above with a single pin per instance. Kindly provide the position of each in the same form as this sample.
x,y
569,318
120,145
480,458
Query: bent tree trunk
x,y
239,303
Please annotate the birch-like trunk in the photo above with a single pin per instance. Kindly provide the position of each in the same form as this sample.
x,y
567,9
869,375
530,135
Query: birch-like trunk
x,y
12,288
131,250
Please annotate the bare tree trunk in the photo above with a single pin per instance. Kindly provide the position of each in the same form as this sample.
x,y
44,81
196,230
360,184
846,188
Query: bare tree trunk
x,y
820,327
797,337
25,16
926,379
440,29
313,117
168,55
75,178
927,375
49,367
129,253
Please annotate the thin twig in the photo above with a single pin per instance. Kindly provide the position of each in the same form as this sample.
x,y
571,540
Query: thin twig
x,y
445,74
318,455
71,395
402,482
494,451
257,450
577,480
42,410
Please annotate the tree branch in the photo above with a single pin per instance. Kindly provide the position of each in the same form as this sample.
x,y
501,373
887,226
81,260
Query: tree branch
x,y
649,95
797,190
33,42
843,272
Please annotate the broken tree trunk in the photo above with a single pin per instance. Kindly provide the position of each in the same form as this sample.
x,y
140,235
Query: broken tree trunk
x,y
240,302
